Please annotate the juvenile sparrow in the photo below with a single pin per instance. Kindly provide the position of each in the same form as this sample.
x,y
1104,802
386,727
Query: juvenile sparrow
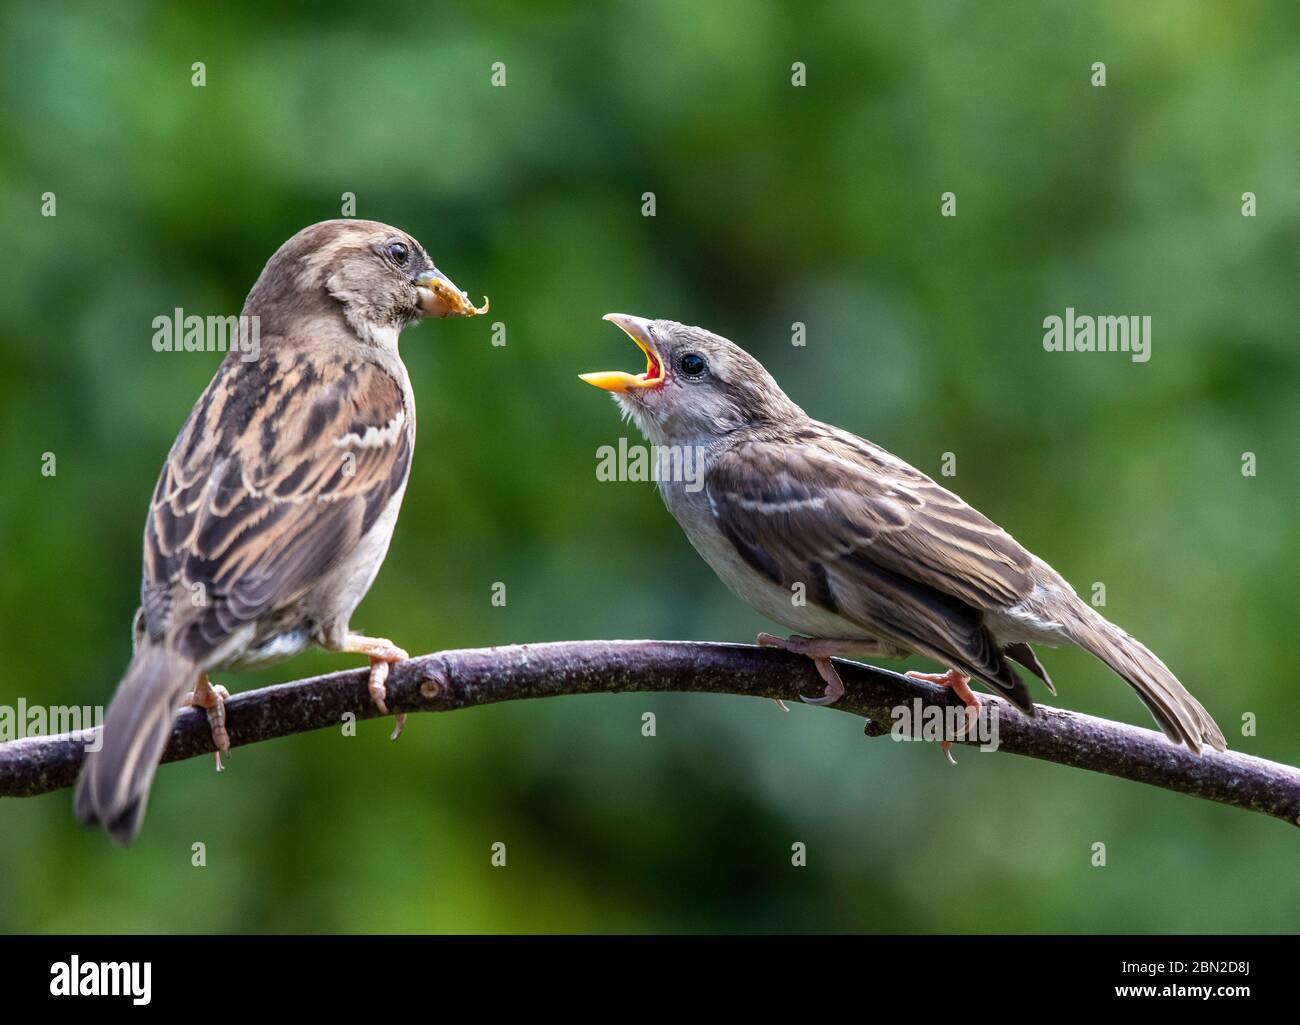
x,y
276,504
890,562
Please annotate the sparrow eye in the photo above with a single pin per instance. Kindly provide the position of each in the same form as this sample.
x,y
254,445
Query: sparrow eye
x,y
399,252
692,364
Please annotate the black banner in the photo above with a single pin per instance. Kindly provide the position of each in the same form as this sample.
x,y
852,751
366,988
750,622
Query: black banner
x,y
530,974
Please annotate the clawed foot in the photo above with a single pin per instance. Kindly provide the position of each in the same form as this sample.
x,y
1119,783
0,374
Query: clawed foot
x,y
377,685
817,650
959,683
212,698
382,653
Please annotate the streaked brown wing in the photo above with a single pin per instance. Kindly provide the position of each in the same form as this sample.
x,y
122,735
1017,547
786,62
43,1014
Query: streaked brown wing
x,y
282,467
875,541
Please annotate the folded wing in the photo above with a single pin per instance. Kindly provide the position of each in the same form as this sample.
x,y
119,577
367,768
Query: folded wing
x,y
275,478
875,541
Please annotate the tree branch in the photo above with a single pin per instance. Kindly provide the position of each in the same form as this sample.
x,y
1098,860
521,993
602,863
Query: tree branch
x,y
448,680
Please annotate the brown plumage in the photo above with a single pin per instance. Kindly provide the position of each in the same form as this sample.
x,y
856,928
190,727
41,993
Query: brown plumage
x,y
270,480
276,504
890,561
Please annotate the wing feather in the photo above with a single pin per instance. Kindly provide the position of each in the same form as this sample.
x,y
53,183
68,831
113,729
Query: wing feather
x,y
883,545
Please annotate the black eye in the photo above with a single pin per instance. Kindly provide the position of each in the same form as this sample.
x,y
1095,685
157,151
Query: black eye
x,y
399,252
692,364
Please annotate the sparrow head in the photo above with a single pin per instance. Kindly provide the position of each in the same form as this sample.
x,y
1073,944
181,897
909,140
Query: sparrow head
x,y
381,277
695,385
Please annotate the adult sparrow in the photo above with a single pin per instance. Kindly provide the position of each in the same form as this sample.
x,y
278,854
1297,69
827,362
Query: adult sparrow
x,y
887,561
276,504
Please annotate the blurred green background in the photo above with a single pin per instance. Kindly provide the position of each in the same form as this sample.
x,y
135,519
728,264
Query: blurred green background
x,y
774,205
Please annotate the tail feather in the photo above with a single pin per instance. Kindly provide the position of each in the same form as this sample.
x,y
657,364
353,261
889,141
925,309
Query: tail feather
x,y
1181,716
114,785
1024,654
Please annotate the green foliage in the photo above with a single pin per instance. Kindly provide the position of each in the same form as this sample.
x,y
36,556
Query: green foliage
x,y
775,204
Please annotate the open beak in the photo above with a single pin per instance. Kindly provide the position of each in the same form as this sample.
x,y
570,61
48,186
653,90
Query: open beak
x,y
440,298
638,329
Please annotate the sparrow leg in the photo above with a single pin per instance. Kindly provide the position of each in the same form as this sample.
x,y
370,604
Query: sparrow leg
x,y
960,685
820,650
381,652
212,698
